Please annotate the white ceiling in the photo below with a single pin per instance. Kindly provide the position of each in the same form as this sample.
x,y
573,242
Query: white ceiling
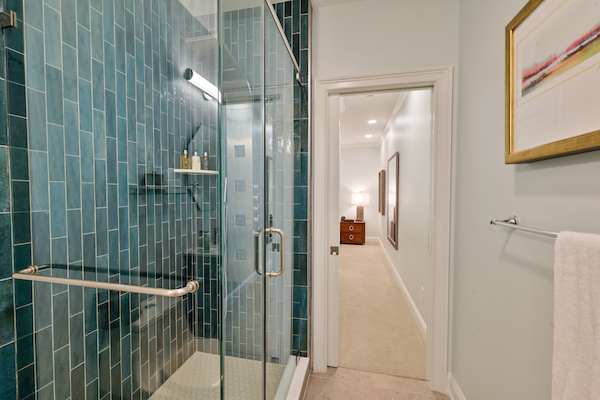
x,y
326,3
358,110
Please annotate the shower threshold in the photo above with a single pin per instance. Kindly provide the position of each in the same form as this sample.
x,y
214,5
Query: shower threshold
x,y
198,379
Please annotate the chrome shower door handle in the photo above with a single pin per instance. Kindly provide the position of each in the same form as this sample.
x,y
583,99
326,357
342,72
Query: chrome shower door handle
x,y
274,274
260,258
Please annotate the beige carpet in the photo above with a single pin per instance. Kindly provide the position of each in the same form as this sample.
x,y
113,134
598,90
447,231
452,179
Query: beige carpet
x,y
377,330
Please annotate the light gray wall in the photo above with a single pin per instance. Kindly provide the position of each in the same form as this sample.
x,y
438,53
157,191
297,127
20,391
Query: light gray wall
x,y
410,136
384,35
359,171
502,294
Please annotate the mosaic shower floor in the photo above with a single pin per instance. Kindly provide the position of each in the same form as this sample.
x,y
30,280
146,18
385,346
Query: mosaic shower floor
x,y
198,379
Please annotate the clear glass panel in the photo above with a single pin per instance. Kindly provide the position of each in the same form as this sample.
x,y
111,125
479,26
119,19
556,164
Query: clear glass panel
x,y
242,154
279,209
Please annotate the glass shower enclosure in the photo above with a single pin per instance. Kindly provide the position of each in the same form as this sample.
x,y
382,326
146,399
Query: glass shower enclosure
x,y
149,280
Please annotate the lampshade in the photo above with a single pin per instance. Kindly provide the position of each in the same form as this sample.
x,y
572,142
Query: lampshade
x,y
360,199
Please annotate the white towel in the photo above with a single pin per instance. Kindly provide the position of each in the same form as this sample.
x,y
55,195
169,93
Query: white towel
x,y
576,357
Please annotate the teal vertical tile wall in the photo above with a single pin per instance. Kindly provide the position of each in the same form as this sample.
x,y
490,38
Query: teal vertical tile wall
x,y
96,116
294,18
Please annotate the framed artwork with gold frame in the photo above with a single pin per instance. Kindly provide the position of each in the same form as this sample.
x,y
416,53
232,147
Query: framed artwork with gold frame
x,y
552,80
382,192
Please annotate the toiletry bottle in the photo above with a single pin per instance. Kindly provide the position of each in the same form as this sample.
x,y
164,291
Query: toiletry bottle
x,y
185,160
205,163
196,161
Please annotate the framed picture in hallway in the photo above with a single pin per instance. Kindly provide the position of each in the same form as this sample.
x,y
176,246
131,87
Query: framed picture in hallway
x,y
382,192
552,80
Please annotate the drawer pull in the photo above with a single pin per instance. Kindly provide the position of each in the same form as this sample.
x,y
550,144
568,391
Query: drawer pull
x,y
351,227
351,237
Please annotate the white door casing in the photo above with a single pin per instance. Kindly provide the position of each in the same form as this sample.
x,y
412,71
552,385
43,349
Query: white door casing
x,y
325,183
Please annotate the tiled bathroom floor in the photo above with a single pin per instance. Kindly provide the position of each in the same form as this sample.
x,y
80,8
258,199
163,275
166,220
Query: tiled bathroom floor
x,y
198,379
347,384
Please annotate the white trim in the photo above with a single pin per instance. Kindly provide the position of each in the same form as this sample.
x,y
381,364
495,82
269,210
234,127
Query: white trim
x,y
359,145
390,122
440,79
454,390
299,379
372,239
413,307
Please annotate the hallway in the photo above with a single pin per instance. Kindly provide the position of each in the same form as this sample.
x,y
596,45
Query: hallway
x,y
378,332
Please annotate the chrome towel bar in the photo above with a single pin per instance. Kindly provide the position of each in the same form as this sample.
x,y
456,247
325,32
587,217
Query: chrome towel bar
x,y
29,274
513,223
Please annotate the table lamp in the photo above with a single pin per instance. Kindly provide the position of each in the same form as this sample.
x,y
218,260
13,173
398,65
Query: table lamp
x,y
360,199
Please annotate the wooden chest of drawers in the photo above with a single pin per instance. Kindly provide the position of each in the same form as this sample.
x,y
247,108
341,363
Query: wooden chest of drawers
x,y
352,232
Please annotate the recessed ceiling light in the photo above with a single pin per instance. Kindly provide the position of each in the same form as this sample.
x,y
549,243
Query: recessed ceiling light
x,y
370,96
367,136
372,121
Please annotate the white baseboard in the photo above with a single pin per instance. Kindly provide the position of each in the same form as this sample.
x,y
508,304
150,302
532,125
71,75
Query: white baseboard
x,y
371,239
411,304
453,390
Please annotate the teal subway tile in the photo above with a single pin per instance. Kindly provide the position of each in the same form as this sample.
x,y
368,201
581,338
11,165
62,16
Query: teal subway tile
x,y
15,67
20,195
71,128
16,99
73,182
23,316
97,6
86,141
70,74
120,49
69,22
132,162
100,182
74,235
99,135
84,52
17,131
85,105
90,304
39,180
56,153
4,181
43,306
88,223
26,382
139,60
54,95
123,186
83,13
98,85
35,59
130,76
34,9
304,32
7,329
97,34
3,122
78,389
121,96
124,228
62,378
6,262
113,207
89,251
46,393
59,253
109,21
113,249
111,114
76,340
120,12
22,260
129,33
25,349
60,319
111,160
43,349
14,37
101,231
55,4
92,390
40,237
52,40
109,66
37,120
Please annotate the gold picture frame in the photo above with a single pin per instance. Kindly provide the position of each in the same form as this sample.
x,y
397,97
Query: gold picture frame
x,y
382,192
549,82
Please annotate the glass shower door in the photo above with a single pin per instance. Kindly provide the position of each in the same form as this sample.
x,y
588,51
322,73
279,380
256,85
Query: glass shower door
x,y
257,142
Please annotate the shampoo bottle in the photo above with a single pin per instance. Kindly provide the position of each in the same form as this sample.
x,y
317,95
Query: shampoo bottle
x,y
196,161
205,161
185,160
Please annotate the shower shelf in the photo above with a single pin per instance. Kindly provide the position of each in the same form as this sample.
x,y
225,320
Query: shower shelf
x,y
196,172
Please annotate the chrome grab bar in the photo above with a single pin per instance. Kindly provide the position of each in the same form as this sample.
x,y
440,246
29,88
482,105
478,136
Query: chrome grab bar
x,y
29,274
281,252
513,223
